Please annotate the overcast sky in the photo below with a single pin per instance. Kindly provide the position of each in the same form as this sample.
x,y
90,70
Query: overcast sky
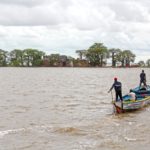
x,y
64,26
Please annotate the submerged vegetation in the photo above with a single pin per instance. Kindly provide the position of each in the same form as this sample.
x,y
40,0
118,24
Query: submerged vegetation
x,y
96,55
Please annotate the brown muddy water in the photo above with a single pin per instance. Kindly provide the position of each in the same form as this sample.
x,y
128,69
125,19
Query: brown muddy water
x,y
68,109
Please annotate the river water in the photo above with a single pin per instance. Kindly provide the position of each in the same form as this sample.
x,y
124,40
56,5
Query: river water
x,y
69,109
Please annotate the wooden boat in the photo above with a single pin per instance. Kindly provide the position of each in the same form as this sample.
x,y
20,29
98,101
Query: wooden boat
x,y
142,100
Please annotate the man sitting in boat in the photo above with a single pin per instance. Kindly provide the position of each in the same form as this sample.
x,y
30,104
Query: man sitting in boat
x,y
132,95
118,89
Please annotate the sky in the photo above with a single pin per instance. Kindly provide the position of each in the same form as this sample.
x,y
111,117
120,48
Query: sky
x,y
64,26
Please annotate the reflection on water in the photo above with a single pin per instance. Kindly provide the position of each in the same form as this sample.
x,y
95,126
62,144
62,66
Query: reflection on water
x,y
68,108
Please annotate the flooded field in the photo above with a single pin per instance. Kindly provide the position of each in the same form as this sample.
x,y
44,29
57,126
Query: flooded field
x,y
69,109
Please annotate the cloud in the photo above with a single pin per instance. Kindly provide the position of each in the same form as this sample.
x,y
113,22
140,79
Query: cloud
x,y
35,16
123,11
27,3
66,25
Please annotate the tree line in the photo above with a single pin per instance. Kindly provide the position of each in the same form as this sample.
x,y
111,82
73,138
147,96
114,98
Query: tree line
x,y
95,56
98,54
17,57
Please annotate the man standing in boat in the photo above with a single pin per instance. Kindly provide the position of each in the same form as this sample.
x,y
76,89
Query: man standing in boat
x,y
143,78
118,89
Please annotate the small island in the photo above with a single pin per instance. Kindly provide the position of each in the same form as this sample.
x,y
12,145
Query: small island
x,y
97,55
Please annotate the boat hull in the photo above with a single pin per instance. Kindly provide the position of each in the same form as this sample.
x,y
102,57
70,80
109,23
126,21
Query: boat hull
x,y
131,105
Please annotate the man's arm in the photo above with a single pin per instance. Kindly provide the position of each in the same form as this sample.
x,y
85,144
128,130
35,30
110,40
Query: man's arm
x,y
111,88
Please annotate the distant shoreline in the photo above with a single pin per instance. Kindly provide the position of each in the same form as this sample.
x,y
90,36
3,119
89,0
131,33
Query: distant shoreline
x,y
67,67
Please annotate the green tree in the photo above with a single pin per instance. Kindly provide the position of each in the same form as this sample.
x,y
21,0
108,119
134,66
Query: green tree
x,y
96,54
141,63
148,63
33,57
120,58
3,57
113,54
81,53
28,57
129,57
54,59
125,57
16,57
38,58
